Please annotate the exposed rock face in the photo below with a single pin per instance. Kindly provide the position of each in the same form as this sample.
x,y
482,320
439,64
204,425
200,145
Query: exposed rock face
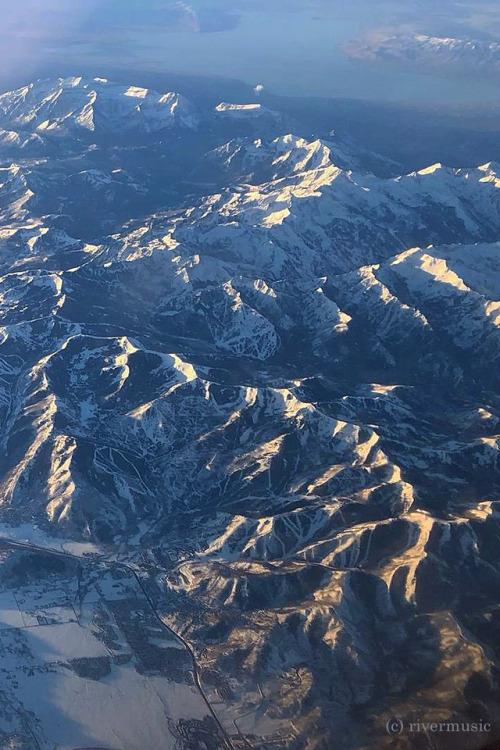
x,y
282,388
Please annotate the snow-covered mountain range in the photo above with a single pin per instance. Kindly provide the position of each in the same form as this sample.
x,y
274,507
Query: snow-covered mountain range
x,y
264,369
446,53
70,104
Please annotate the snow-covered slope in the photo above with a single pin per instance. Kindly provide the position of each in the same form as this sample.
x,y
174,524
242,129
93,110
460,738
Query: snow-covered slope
x,y
257,161
270,382
72,104
327,220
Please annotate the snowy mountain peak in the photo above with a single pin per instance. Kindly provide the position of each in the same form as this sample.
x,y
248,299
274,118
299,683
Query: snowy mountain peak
x,y
65,104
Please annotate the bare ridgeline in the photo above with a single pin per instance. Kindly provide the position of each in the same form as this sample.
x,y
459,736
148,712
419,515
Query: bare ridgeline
x,y
249,406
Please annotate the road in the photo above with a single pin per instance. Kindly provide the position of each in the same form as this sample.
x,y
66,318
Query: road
x,y
225,739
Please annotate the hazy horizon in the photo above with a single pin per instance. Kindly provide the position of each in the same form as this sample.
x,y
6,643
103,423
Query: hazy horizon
x,y
293,49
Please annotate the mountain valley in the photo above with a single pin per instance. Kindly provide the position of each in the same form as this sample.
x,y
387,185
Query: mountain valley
x,y
250,415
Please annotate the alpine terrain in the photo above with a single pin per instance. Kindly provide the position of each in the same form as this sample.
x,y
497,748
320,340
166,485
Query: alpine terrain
x,y
250,430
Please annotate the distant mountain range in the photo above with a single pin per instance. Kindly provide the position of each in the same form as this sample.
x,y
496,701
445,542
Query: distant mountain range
x,y
425,51
263,370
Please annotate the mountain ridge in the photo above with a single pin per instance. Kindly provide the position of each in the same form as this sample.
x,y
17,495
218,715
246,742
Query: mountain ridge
x,y
272,389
